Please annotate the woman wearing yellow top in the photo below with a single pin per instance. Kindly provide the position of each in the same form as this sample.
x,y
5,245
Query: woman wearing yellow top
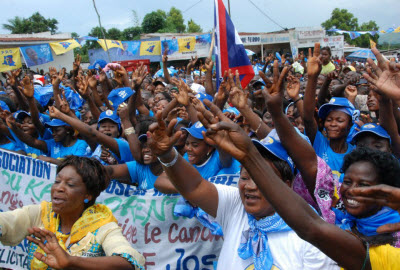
x,y
72,231
327,65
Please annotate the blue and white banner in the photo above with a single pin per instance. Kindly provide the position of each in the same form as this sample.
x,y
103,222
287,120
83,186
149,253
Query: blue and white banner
x,y
37,54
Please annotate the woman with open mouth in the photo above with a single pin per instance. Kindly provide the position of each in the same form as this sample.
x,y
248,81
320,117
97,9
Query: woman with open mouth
x,y
72,231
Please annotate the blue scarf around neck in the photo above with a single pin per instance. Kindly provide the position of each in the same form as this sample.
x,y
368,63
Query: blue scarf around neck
x,y
367,226
254,242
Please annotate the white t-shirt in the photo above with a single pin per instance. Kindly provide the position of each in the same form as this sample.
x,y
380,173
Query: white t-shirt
x,y
288,250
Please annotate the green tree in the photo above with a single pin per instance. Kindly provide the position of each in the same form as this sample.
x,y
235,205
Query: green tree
x,y
154,21
193,27
131,33
36,23
175,21
114,33
345,20
74,35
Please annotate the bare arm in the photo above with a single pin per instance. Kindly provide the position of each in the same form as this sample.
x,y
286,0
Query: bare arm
x,y
314,68
164,185
388,122
167,77
209,83
198,191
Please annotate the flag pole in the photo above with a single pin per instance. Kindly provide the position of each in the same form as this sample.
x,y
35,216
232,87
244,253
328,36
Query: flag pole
x,y
212,44
102,31
229,8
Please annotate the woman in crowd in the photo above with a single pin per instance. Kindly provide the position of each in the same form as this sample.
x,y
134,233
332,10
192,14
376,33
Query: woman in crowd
x,y
72,231
336,117
245,216
327,65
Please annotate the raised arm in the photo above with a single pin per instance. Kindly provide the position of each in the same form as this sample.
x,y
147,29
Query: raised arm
x,y
388,122
314,67
138,75
301,152
344,248
86,93
387,77
24,137
12,79
167,77
130,133
209,74
28,90
93,136
198,191
239,98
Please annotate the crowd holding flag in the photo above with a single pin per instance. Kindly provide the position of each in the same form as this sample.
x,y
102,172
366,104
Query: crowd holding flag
x,y
230,53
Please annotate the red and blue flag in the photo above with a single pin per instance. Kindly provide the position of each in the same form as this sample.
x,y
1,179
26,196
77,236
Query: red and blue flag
x,y
229,50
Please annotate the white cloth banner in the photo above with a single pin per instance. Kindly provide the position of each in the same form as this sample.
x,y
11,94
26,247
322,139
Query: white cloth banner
x,y
146,218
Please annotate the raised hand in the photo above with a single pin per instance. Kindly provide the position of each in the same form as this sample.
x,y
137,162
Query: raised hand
x,y
54,112
64,105
237,96
165,57
382,195
209,64
138,75
387,77
293,87
76,64
314,64
56,77
160,137
83,86
351,92
92,82
183,96
192,63
223,133
102,76
10,120
274,94
12,76
55,257
123,111
27,87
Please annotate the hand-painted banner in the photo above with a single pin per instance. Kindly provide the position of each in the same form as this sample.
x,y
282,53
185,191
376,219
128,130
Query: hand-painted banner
x,y
146,218
64,46
37,54
9,59
180,48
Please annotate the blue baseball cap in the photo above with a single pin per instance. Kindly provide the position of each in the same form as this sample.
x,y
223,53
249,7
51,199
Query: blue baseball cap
x,y
119,95
374,129
195,130
259,81
98,64
56,123
4,106
275,148
111,115
142,138
20,115
202,97
336,103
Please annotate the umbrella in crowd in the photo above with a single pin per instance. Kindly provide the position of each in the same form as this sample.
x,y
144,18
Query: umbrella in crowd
x,y
250,52
171,70
361,55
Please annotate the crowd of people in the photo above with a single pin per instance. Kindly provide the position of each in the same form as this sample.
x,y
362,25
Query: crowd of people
x,y
314,139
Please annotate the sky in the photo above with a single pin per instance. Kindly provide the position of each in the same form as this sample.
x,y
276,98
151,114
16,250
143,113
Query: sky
x,y
79,15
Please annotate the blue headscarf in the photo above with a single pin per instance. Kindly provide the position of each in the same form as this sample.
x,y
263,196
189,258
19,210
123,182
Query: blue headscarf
x,y
184,209
254,242
367,226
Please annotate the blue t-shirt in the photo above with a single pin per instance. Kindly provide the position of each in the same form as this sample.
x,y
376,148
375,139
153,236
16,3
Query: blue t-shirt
x,y
209,168
58,151
233,169
124,152
141,174
29,150
324,151
11,146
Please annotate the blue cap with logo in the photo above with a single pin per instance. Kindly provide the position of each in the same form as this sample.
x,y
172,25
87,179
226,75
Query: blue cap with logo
x,y
336,104
56,123
273,144
196,130
374,129
202,97
111,115
20,115
119,95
